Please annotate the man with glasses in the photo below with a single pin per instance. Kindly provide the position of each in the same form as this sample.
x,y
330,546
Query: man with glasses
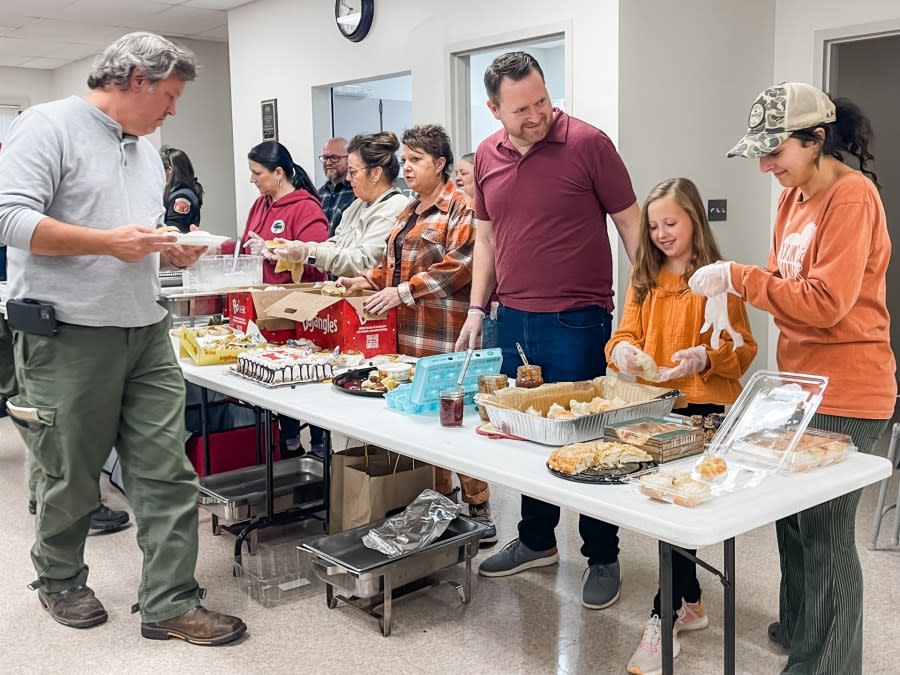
x,y
336,194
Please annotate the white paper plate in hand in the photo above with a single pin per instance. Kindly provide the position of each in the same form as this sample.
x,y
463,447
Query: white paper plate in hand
x,y
200,238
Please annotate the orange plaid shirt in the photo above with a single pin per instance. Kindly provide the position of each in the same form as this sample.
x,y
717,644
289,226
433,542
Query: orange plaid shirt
x,y
436,269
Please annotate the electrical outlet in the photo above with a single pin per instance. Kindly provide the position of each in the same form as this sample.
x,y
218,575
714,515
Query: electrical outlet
x,y
717,209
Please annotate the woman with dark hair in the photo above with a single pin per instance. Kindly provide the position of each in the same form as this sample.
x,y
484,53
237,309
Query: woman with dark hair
x,y
360,238
825,287
426,273
288,208
183,196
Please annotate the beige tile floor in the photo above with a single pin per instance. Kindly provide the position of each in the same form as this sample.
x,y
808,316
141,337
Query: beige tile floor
x,y
531,623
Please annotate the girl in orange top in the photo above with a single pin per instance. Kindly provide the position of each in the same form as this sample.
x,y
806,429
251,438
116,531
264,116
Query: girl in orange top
x,y
825,287
662,320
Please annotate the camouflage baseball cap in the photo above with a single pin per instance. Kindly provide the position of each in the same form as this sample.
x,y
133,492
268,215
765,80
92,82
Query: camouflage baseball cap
x,y
778,112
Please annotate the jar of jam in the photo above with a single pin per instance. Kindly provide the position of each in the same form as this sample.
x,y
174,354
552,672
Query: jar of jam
x,y
529,377
451,408
488,384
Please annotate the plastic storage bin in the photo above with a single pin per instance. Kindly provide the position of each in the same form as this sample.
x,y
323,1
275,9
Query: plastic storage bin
x,y
276,574
217,272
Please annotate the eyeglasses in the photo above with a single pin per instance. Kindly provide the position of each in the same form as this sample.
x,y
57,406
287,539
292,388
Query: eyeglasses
x,y
353,172
331,158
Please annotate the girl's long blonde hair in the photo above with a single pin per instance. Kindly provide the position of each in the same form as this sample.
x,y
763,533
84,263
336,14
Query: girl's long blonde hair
x,y
704,248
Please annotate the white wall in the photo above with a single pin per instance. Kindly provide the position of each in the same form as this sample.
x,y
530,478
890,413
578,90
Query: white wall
x,y
24,86
202,128
688,74
303,49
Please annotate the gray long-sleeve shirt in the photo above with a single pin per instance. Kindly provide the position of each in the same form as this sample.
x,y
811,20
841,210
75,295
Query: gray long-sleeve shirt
x,y
70,161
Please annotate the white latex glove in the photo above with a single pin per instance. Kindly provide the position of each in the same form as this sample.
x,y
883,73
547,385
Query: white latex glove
x,y
627,358
293,251
691,360
255,244
470,331
712,279
716,317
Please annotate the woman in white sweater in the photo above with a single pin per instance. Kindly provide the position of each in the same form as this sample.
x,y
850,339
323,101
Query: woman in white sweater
x,y
359,242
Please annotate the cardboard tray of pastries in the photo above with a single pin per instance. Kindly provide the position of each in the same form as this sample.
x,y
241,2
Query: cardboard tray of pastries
x,y
662,439
573,412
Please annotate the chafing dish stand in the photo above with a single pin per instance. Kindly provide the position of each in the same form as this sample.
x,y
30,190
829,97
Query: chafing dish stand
x,y
264,452
370,579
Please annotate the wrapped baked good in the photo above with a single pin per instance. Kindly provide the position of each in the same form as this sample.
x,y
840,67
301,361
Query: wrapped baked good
x,y
711,467
579,457
675,488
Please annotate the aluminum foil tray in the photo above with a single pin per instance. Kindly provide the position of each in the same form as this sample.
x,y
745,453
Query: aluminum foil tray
x,y
578,430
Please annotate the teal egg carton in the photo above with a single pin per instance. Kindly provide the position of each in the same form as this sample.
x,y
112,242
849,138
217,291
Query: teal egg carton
x,y
435,374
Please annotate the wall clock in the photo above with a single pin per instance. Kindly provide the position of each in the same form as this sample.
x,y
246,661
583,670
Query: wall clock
x,y
354,18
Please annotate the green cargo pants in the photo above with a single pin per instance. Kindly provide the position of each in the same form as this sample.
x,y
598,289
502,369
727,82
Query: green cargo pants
x,y
821,598
91,389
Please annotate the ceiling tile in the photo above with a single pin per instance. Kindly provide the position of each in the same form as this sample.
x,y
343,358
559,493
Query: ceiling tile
x,y
106,13
71,31
219,34
217,4
183,20
11,61
43,63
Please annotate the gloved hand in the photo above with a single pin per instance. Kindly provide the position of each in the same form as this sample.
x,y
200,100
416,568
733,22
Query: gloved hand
x,y
691,360
628,358
712,279
293,251
255,244
715,316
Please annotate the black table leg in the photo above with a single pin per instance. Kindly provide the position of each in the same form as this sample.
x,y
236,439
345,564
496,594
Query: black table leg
x,y
665,605
728,582
326,480
270,463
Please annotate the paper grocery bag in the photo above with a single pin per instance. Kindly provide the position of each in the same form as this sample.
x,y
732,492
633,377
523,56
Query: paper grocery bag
x,y
384,482
339,460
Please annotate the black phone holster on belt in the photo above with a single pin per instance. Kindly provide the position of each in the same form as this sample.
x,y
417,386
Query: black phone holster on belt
x,y
32,316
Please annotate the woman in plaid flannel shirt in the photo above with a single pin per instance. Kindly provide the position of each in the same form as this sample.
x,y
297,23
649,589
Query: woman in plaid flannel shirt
x,y
426,272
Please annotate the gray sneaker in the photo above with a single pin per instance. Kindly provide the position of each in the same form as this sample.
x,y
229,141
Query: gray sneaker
x,y
601,586
516,557
481,513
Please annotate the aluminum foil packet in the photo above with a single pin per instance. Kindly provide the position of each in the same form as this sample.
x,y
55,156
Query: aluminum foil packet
x,y
419,524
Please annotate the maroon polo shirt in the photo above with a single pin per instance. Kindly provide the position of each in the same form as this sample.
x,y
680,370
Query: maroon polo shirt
x,y
548,209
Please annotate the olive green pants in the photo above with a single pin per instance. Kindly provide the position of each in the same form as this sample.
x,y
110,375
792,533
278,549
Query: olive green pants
x,y
87,390
821,598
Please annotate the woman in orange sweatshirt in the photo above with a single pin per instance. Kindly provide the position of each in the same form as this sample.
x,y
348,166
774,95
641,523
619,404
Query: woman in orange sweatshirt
x,y
661,324
825,286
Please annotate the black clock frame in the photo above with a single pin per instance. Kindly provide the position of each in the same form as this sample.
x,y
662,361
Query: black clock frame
x,y
367,13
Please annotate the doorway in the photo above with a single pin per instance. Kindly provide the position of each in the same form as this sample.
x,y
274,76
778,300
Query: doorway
x,y
862,70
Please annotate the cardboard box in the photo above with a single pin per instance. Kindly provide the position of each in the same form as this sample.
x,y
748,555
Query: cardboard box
x,y
188,345
338,322
252,304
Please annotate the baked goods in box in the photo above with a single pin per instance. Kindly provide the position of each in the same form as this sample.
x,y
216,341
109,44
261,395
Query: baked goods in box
x,y
818,448
676,488
642,431
579,457
210,345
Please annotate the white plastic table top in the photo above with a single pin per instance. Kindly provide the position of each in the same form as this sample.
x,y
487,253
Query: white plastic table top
x,y
520,465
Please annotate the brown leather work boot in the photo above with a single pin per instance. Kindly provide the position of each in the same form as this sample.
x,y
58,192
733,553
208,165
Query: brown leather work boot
x,y
198,626
76,607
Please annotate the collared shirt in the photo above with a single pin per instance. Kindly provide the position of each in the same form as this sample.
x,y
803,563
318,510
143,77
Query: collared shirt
x,y
548,210
435,272
335,198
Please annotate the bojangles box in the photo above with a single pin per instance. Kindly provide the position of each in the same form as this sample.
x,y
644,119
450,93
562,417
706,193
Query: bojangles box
x,y
252,304
338,322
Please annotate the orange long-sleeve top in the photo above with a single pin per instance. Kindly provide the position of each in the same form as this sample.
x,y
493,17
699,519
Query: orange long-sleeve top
x,y
669,319
825,287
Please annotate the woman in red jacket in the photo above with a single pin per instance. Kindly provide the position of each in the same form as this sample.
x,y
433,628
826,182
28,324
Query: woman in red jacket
x,y
288,207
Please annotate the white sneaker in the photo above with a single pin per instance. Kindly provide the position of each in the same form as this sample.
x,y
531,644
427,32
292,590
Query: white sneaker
x,y
647,658
691,616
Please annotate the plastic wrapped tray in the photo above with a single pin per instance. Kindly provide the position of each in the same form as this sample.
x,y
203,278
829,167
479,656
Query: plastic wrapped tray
x,y
642,401
664,440
766,422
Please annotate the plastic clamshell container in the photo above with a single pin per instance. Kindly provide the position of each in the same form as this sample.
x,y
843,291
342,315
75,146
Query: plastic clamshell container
x,y
216,272
673,487
817,448
435,374
766,422
275,575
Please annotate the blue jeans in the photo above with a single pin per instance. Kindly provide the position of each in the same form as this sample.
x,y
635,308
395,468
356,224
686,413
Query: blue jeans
x,y
568,346
488,333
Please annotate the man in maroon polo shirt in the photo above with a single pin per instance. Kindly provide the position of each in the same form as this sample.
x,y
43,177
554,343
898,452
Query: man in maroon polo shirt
x,y
544,185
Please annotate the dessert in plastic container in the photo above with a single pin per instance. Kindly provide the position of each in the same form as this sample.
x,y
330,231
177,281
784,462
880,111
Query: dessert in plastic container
x,y
674,487
817,448
665,440
766,422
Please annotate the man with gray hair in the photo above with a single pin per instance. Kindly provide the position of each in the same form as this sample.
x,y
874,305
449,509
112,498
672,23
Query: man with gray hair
x,y
336,192
80,194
